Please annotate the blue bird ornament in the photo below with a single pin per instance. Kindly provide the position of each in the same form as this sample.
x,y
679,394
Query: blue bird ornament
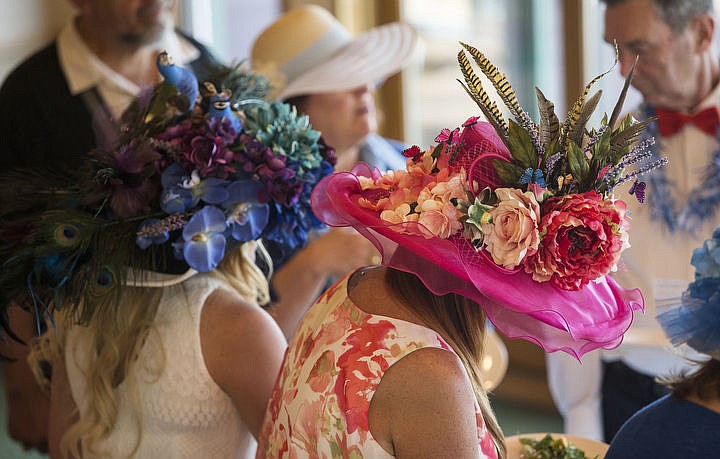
x,y
221,107
183,79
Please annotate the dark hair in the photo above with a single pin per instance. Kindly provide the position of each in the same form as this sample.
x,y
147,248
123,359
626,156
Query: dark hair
x,y
675,13
704,383
462,321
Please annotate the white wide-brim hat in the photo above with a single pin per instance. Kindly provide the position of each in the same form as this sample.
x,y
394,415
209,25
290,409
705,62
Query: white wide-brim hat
x,y
308,51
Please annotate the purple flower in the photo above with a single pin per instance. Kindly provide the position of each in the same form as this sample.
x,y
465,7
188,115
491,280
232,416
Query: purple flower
x,y
130,186
208,150
204,242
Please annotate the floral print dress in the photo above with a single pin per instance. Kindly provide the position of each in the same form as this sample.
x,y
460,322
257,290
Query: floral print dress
x,y
319,406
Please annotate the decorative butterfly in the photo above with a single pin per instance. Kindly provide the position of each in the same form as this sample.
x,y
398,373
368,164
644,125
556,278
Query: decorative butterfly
x,y
534,176
446,135
638,189
413,152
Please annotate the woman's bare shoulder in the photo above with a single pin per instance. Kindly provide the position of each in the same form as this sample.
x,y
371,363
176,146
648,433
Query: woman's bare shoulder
x,y
425,407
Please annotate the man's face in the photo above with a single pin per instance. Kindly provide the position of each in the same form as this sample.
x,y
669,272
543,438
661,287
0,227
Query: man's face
x,y
668,65
136,22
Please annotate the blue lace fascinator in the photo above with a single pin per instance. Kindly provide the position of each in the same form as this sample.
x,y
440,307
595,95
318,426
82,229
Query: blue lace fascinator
x,y
193,170
695,320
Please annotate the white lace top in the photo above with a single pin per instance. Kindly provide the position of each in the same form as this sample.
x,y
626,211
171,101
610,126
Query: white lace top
x,y
184,413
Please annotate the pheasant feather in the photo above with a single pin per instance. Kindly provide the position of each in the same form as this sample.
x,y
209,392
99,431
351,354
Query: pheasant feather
x,y
621,99
501,84
475,90
549,129
575,113
577,130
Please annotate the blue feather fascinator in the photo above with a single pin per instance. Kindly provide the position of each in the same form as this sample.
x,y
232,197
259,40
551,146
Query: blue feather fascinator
x,y
193,170
695,320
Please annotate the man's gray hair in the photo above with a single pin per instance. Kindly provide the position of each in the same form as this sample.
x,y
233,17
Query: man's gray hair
x,y
675,13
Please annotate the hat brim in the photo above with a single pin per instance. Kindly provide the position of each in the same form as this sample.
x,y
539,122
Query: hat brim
x,y
576,322
368,59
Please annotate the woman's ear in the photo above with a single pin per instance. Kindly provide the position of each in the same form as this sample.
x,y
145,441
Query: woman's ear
x,y
704,30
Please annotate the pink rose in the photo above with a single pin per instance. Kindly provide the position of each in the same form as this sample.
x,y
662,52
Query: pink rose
x,y
513,233
582,236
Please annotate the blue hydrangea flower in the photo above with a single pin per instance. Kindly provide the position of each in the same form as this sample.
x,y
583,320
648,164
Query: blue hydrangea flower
x,y
247,217
204,242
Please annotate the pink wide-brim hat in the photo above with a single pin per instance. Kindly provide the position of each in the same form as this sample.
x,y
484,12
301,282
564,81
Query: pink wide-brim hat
x,y
576,322
308,51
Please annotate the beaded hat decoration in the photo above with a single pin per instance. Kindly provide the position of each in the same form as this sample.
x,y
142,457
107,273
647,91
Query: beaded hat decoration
x,y
192,172
516,215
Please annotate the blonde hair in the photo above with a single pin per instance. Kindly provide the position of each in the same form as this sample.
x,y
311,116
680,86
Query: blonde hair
x,y
460,320
115,348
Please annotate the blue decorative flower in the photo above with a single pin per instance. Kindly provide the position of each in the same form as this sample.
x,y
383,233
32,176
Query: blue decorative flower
x,y
204,242
183,193
146,241
176,199
247,217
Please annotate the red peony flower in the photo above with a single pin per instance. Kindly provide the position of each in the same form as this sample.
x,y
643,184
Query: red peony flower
x,y
582,236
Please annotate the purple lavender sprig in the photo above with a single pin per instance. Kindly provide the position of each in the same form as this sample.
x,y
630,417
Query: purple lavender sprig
x,y
532,129
637,154
662,162
593,140
551,161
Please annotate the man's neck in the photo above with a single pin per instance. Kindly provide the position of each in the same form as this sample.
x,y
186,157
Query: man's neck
x,y
707,81
136,62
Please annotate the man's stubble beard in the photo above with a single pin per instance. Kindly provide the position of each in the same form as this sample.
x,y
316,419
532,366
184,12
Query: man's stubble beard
x,y
147,37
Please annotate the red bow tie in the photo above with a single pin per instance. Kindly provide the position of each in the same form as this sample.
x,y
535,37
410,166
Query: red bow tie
x,y
669,122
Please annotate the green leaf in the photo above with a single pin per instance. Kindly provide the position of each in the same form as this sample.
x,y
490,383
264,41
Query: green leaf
x,y
509,173
579,166
521,146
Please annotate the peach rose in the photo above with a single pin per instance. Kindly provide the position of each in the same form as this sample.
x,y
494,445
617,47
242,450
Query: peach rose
x,y
513,233
441,219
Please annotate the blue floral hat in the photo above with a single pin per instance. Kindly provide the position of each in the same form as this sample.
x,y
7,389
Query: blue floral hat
x,y
695,319
192,172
